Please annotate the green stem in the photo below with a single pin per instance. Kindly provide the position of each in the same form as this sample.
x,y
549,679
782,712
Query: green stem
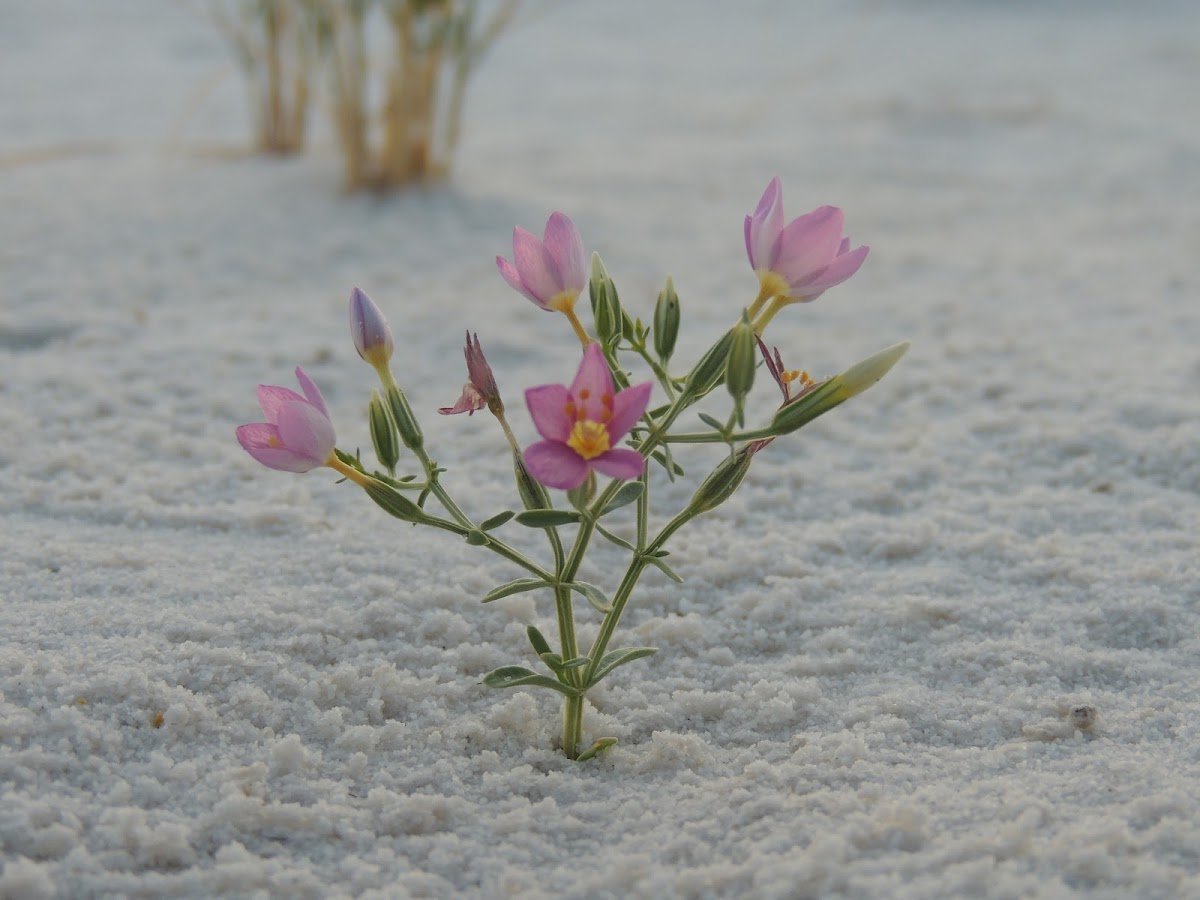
x,y
625,591
715,437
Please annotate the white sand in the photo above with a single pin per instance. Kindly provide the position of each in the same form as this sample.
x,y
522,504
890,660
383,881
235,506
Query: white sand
x,y
865,686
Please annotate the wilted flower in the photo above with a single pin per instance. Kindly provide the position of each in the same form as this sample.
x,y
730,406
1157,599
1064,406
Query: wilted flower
x,y
581,424
298,434
480,389
369,329
552,271
803,259
784,376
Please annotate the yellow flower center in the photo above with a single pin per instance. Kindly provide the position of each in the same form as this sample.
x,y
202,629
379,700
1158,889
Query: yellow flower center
x,y
273,441
589,439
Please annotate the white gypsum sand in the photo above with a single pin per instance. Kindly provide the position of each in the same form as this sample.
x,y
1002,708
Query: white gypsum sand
x,y
942,643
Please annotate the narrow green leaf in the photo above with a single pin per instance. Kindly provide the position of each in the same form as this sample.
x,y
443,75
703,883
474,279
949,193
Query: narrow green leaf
x,y
553,660
593,595
497,520
712,422
629,492
537,640
518,676
547,518
662,457
577,663
618,658
476,538
599,747
620,542
666,570
516,586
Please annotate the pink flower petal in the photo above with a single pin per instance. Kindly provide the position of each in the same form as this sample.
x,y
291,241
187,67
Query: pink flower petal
x,y
628,407
556,465
311,391
513,277
839,270
764,225
272,399
470,401
261,441
307,432
548,409
592,383
538,270
620,462
563,242
808,244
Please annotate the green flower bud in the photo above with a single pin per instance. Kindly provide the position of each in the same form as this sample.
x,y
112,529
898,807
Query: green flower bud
x,y
393,502
722,481
606,305
383,433
666,321
836,390
406,422
742,360
533,492
707,373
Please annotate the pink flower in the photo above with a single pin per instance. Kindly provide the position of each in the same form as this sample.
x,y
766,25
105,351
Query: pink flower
x,y
803,259
551,272
480,389
581,424
297,435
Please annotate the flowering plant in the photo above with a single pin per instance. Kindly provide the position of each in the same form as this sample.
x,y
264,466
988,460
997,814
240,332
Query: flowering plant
x,y
602,424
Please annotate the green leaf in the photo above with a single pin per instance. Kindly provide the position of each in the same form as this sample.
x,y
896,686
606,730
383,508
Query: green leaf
x,y
618,658
662,457
553,660
516,586
497,520
626,495
537,640
476,538
577,663
518,676
620,542
547,518
666,570
712,422
600,746
593,595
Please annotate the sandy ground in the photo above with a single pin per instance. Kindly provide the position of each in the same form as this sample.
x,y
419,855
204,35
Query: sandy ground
x,y
870,684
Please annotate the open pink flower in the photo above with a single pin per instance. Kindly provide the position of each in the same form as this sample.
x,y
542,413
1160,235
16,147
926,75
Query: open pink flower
x,y
552,271
298,434
803,259
582,423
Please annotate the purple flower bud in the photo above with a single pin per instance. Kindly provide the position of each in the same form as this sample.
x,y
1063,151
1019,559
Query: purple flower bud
x,y
369,329
480,390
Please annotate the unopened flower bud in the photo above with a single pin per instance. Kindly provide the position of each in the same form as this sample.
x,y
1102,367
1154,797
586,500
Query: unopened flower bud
x,y
723,480
742,360
707,373
383,433
533,493
606,305
369,329
406,421
666,321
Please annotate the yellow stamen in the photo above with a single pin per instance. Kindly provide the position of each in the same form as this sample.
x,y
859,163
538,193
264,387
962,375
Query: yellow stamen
x,y
273,441
589,439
